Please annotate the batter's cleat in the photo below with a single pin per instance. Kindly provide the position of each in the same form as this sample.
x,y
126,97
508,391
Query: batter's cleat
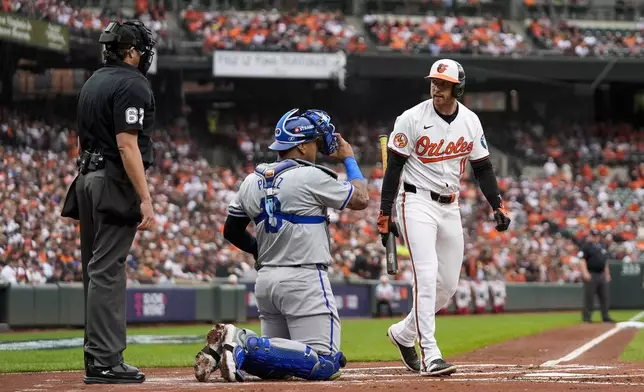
x,y
232,355
408,355
438,367
206,362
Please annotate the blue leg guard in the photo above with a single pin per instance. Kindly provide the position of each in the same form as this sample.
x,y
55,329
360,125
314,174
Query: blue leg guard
x,y
282,358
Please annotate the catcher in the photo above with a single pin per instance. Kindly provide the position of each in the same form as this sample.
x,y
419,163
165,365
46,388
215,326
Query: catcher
x,y
288,201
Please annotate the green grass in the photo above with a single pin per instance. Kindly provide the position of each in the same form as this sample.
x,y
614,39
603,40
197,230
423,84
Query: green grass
x,y
635,350
362,340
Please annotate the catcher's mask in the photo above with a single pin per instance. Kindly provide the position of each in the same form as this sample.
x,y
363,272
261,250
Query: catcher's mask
x,y
132,33
313,124
451,71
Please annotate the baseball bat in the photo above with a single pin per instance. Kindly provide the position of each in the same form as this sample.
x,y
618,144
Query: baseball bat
x,y
392,256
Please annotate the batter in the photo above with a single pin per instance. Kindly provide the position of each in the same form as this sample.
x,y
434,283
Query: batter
x,y
288,201
429,147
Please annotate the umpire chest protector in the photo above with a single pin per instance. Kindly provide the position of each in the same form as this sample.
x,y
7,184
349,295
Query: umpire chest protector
x,y
272,214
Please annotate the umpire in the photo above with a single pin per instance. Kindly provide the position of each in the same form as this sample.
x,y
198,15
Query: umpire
x,y
596,276
111,199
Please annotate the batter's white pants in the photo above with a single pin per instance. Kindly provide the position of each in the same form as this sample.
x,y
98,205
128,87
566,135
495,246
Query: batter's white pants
x,y
434,236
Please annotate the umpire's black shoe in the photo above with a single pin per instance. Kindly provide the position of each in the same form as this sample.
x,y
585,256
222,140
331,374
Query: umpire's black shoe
x,y
96,373
438,367
408,355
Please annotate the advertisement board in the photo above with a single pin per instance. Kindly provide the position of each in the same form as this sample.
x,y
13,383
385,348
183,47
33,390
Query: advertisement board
x,y
161,304
280,65
37,33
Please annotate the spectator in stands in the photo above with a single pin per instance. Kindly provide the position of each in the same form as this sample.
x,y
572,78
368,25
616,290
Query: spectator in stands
x,y
166,278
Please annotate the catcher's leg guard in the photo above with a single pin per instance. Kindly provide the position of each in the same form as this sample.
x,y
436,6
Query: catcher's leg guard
x,y
280,358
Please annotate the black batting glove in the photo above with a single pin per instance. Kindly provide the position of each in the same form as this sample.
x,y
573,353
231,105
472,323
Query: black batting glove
x,y
502,219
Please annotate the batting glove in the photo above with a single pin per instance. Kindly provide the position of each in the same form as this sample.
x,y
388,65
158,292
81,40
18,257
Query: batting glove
x,y
502,219
386,226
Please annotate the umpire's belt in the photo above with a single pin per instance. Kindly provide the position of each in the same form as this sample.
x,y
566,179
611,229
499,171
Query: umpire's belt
x,y
442,199
293,218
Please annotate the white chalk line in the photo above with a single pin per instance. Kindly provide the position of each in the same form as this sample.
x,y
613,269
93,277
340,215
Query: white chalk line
x,y
579,351
348,377
463,366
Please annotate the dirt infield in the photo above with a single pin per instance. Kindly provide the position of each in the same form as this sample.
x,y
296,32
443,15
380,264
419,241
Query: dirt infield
x,y
535,363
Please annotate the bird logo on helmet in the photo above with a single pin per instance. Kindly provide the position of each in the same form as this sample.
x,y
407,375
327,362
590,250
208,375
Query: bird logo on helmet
x,y
313,124
451,71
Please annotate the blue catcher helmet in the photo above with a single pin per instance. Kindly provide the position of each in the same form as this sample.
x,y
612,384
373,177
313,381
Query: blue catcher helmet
x,y
313,124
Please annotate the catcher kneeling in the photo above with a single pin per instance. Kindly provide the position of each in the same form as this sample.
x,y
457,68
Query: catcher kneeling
x,y
234,350
288,201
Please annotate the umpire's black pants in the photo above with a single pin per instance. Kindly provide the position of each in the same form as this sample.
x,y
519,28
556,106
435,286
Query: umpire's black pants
x,y
597,285
104,248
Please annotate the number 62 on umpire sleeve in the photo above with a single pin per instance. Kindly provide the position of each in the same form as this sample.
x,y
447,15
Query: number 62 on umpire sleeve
x,y
133,116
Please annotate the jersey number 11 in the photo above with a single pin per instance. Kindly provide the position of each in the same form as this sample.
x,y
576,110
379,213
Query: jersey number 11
x,y
463,162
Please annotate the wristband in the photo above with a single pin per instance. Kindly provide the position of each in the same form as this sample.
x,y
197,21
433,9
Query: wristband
x,y
353,171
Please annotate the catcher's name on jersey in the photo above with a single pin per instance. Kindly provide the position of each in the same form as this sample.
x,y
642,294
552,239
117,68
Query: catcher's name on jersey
x,y
437,151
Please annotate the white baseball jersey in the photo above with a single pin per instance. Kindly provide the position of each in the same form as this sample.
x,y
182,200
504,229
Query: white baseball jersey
x,y
437,152
301,192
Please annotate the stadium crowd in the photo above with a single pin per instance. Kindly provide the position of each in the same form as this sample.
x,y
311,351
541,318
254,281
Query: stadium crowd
x,y
150,12
445,34
191,198
572,40
597,143
328,31
309,31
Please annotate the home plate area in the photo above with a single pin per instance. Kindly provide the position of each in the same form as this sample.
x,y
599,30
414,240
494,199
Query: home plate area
x,y
367,377
483,377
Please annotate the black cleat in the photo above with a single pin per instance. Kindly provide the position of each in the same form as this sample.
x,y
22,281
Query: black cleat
x,y
408,355
438,367
96,373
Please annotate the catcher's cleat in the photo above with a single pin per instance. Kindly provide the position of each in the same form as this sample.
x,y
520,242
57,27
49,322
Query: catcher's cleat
x,y
438,367
408,355
342,361
232,355
206,362
215,337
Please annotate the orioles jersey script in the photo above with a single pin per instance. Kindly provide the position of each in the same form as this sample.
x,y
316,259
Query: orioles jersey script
x,y
437,152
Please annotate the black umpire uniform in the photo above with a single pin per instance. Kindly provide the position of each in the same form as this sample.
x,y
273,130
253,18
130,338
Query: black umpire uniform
x,y
116,98
595,258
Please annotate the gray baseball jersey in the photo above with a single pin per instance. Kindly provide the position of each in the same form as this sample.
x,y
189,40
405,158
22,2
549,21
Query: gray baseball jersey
x,y
288,201
296,233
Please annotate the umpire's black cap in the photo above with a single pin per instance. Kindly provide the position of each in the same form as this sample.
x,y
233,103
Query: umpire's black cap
x,y
130,33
